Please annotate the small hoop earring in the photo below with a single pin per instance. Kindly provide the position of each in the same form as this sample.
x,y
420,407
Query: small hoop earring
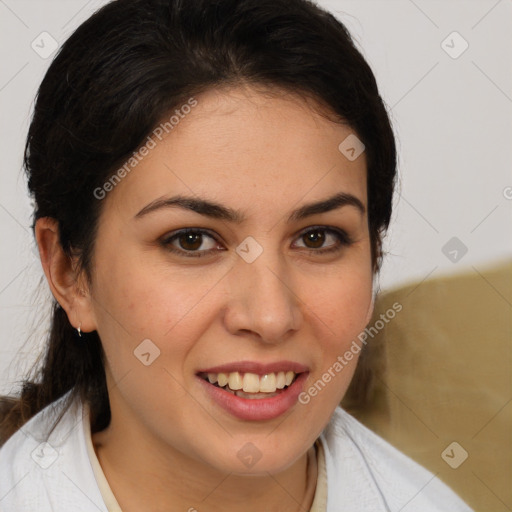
x,y
79,329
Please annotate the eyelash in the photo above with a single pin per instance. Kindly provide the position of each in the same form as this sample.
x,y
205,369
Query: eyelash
x,y
344,240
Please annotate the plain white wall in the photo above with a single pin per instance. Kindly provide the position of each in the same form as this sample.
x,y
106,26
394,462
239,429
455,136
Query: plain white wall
x,y
451,113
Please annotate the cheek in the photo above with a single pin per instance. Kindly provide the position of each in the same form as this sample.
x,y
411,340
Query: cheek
x,y
143,301
148,324
339,312
343,302
133,292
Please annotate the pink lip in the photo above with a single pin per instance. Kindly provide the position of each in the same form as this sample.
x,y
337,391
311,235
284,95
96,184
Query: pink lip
x,y
256,409
257,368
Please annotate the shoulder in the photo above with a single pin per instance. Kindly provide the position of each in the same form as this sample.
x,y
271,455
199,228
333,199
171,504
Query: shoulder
x,y
371,475
48,469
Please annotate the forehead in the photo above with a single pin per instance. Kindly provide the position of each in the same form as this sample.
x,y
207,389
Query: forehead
x,y
246,148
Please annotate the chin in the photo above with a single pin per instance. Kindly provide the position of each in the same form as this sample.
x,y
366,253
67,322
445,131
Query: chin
x,y
259,456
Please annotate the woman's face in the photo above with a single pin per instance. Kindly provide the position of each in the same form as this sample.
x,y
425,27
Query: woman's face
x,y
264,287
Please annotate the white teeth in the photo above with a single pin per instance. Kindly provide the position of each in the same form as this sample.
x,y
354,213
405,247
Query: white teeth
x,y
235,381
268,383
280,380
222,379
252,383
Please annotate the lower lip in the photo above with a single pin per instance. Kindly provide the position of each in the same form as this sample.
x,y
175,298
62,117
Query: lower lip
x,y
257,409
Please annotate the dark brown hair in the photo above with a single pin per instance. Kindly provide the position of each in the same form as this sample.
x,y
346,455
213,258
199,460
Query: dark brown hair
x,y
111,83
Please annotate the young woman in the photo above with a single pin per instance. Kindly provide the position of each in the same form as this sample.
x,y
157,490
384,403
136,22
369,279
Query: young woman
x,y
212,179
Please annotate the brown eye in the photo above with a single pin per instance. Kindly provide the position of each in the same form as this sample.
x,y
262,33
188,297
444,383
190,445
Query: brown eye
x,y
190,241
314,239
321,240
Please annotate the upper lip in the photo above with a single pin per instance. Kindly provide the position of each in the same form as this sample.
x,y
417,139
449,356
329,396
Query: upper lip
x,y
257,368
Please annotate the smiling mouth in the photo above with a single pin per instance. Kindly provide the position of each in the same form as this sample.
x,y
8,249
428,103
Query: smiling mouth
x,y
251,385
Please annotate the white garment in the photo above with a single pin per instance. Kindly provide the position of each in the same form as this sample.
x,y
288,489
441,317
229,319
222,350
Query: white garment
x,y
364,472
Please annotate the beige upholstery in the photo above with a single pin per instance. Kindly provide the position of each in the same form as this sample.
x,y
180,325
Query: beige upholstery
x,y
441,372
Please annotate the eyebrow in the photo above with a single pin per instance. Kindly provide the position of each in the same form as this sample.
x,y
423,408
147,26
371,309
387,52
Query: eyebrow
x,y
218,211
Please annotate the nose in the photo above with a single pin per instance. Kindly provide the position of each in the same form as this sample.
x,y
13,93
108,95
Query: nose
x,y
262,300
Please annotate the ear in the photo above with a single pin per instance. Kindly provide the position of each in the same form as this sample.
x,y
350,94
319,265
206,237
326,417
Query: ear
x,y
69,289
